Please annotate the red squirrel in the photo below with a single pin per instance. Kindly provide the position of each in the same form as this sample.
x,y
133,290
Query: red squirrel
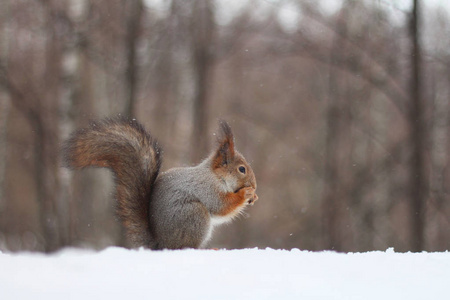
x,y
170,210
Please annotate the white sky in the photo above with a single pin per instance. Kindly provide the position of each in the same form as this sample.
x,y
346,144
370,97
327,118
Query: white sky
x,y
289,14
333,4
406,4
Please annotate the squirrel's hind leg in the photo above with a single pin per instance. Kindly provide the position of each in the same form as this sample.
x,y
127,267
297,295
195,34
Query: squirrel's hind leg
x,y
188,226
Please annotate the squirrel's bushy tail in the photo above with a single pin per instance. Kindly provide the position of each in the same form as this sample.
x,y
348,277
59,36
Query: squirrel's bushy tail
x,y
135,159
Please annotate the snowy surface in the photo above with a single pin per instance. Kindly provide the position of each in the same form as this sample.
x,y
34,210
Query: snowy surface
x,y
117,273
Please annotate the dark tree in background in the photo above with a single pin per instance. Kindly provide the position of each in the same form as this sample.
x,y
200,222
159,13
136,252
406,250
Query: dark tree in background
x,y
202,44
343,113
133,19
419,177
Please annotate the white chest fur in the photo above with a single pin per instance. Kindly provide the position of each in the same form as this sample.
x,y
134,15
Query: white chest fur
x,y
215,221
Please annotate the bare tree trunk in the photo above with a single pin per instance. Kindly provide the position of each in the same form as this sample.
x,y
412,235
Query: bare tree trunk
x,y
46,183
4,112
167,79
4,100
134,10
71,90
418,136
439,162
203,31
333,187
44,119
329,203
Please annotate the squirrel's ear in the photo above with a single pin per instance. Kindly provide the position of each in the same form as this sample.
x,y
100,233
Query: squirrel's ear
x,y
225,151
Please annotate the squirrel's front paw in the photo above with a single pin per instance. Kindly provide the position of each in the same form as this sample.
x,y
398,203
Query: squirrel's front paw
x,y
253,200
249,195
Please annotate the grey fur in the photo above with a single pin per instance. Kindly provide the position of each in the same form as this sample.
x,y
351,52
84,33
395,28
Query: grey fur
x,y
184,201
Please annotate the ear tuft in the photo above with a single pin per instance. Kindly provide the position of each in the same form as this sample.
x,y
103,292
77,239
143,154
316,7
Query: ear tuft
x,y
225,151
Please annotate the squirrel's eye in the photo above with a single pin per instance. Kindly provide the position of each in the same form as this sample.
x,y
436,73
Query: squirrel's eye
x,y
242,169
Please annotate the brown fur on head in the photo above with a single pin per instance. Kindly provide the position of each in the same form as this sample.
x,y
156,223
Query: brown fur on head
x,y
229,164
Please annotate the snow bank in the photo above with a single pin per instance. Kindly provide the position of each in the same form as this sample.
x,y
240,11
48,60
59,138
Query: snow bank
x,y
117,273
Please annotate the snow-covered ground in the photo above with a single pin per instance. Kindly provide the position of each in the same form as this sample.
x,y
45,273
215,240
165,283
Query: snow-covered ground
x,y
117,273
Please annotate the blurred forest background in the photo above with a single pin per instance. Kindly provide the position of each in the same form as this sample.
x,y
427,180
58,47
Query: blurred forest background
x,y
341,107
